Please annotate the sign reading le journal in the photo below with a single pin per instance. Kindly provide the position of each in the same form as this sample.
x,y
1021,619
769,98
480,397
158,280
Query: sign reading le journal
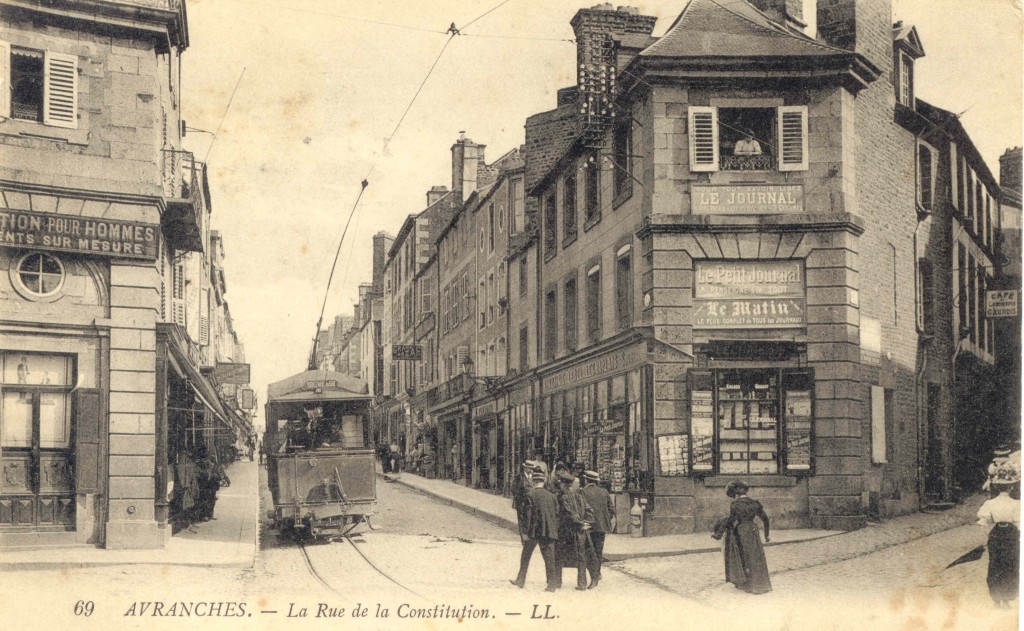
x,y
87,235
749,294
747,199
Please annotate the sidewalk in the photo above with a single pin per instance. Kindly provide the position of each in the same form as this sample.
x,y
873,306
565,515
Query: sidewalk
x,y
618,547
227,541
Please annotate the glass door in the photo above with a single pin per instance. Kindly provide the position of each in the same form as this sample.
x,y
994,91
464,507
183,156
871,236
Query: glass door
x,y
37,481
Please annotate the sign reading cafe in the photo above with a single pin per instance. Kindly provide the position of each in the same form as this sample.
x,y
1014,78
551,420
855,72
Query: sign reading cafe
x,y
754,294
87,235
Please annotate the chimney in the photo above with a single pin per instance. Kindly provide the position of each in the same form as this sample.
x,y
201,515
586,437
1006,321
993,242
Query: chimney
x,y
381,244
785,12
862,26
435,194
1010,167
593,27
467,156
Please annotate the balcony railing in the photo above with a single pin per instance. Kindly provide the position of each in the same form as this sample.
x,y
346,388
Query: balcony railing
x,y
184,218
747,163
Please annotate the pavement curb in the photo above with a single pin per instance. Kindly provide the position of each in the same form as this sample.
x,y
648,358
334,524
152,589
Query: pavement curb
x,y
494,519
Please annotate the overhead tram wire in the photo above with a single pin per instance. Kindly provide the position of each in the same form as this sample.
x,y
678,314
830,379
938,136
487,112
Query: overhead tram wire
x,y
224,115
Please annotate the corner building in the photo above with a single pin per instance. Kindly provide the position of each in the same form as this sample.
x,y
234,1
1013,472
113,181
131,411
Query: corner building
x,y
727,266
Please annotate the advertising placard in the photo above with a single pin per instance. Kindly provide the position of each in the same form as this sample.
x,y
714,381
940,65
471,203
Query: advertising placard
x,y
755,199
756,294
86,235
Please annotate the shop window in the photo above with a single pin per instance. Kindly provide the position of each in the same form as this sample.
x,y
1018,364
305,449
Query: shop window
x,y
569,206
40,275
570,314
748,138
594,305
750,421
592,185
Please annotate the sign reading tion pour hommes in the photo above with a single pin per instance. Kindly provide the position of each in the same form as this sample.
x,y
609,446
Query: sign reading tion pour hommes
x,y
88,235
751,199
756,294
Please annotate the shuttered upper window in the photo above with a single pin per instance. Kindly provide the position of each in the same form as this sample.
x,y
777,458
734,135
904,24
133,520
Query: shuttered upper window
x,y
748,138
43,86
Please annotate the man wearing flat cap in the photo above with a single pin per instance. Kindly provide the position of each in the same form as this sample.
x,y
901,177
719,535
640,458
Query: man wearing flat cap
x,y
600,502
540,529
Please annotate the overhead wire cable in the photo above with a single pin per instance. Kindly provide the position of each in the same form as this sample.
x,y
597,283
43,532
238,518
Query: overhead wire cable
x,y
224,115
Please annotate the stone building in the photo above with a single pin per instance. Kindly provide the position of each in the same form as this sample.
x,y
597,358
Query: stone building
x,y
107,315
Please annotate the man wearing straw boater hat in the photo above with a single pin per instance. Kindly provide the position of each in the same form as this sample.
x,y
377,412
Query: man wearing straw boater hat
x,y
601,503
540,529
521,486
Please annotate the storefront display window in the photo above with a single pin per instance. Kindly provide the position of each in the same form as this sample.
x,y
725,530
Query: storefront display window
x,y
748,422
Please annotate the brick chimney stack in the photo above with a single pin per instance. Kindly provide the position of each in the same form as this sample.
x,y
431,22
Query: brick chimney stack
x,y
591,26
1010,167
381,244
467,157
863,26
789,12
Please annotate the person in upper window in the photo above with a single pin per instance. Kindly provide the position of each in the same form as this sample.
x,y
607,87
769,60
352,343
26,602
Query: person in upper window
x,y
747,146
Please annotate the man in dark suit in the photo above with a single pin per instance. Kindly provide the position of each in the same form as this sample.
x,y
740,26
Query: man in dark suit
x,y
600,502
540,529
576,521
521,486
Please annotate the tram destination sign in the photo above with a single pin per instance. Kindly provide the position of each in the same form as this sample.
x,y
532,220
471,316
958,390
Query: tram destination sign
x,y
408,352
85,235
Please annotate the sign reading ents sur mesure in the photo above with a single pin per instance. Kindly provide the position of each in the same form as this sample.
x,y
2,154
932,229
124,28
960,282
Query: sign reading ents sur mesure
x,y
88,235
755,294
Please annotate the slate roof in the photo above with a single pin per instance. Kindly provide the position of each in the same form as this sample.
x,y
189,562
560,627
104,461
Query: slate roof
x,y
733,28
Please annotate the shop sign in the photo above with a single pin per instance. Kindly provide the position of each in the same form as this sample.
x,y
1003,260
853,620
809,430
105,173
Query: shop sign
x,y
747,200
231,373
248,399
412,352
597,368
738,294
1001,303
86,235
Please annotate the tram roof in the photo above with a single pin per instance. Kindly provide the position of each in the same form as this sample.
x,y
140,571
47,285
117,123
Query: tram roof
x,y
318,385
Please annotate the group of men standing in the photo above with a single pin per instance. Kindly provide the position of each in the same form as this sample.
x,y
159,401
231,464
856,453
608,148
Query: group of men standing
x,y
567,521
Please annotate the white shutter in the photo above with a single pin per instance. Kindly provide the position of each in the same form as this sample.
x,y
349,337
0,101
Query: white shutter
x,y
204,318
5,79
792,127
60,96
460,358
703,138
178,293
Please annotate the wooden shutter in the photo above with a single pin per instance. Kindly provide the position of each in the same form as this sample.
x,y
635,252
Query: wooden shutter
x,y
5,79
792,125
204,317
60,95
703,138
88,463
954,176
178,293
460,359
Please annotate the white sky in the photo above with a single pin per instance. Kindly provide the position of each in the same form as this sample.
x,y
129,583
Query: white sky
x,y
320,93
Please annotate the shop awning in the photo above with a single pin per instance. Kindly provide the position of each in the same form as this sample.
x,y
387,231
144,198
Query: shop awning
x,y
203,389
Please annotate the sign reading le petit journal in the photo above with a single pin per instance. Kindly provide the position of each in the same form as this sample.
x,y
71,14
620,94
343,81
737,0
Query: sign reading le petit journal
x,y
749,294
87,235
747,199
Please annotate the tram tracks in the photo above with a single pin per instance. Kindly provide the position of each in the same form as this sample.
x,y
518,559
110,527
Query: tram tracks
x,y
315,573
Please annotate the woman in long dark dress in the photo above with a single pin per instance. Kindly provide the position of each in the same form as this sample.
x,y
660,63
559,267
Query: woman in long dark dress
x,y
745,566
1002,512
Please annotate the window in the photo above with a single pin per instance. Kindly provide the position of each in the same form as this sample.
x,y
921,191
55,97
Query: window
x,y
550,324
492,298
569,205
623,288
748,138
517,208
524,347
41,275
954,176
594,304
592,207
490,227
524,269
925,176
925,295
751,421
501,218
905,80
483,309
622,159
427,295
882,410
550,224
43,86
465,296
570,314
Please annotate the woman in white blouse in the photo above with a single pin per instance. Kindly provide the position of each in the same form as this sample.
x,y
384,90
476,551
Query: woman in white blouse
x,y
1002,512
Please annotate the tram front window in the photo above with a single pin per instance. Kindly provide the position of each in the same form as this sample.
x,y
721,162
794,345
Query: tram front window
x,y
326,432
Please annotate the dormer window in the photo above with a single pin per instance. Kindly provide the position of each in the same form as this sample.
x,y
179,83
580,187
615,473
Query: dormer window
x,y
906,48
748,138
905,79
